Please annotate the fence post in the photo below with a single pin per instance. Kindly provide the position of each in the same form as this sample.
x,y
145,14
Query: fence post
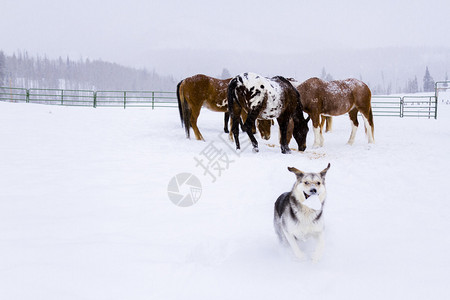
x,y
28,96
153,100
429,108
95,99
124,99
62,97
402,102
435,107
436,96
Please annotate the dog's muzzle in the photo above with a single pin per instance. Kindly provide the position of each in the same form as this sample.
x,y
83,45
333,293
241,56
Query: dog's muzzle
x,y
311,192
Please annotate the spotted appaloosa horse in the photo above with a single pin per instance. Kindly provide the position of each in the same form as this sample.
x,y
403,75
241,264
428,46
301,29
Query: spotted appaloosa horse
x,y
334,98
201,90
266,99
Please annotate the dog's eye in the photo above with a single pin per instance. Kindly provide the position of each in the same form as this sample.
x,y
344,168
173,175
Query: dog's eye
x,y
307,182
318,183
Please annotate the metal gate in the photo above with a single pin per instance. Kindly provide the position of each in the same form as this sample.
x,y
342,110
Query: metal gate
x,y
406,106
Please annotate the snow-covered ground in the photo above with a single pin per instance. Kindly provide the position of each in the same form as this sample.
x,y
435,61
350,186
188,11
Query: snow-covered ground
x,y
85,211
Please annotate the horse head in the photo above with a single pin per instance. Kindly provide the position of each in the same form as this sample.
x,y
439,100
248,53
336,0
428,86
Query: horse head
x,y
303,132
264,128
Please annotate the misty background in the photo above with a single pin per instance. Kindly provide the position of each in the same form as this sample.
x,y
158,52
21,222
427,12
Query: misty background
x,y
151,45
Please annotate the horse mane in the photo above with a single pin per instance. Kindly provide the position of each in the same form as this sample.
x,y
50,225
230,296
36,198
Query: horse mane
x,y
281,78
286,81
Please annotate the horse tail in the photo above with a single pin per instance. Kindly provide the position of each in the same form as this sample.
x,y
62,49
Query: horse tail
x,y
371,134
184,109
232,94
180,108
371,121
232,98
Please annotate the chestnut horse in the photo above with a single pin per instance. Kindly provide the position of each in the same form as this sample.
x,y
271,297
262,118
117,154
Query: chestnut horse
x,y
201,90
266,99
334,98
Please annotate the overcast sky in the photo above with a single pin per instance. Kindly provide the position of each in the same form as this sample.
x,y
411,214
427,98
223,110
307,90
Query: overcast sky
x,y
124,31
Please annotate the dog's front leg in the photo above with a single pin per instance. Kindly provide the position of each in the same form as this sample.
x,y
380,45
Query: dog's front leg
x,y
319,248
293,243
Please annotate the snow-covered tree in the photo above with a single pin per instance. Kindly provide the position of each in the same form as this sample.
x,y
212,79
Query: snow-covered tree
x,y
225,74
412,86
325,76
41,72
2,69
428,82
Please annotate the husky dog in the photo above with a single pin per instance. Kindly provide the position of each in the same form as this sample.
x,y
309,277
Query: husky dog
x,y
296,219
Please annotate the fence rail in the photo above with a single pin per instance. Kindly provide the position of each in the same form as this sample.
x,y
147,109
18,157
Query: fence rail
x,y
90,98
406,106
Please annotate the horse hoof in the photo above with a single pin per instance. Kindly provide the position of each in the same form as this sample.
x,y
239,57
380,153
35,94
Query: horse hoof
x,y
286,151
255,150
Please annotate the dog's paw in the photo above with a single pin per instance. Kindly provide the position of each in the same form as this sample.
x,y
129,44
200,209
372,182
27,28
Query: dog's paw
x,y
316,257
300,256
316,260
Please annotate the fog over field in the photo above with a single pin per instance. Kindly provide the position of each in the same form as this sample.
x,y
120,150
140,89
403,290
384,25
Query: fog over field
x,y
384,43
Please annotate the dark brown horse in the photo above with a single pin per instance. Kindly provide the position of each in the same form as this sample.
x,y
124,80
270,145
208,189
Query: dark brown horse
x,y
266,99
201,90
334,98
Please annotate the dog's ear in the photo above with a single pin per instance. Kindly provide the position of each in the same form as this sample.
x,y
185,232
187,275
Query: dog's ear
x,y
324,172
296,171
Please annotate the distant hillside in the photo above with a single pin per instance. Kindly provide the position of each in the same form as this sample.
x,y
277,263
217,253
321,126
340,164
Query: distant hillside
x,y
386,70
22,70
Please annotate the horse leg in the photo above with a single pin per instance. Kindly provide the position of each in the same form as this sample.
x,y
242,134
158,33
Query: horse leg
x,y
230,134
290,131
195,112
318,137
249,126
235,129
252,139
329,124
225,125
322,123
283,123
353,114
368,125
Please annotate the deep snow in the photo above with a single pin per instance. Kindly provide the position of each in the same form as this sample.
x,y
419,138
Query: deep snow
x,y
85,212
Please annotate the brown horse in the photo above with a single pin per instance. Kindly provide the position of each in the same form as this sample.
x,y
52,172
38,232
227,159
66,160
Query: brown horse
x,y
334,98
201,90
